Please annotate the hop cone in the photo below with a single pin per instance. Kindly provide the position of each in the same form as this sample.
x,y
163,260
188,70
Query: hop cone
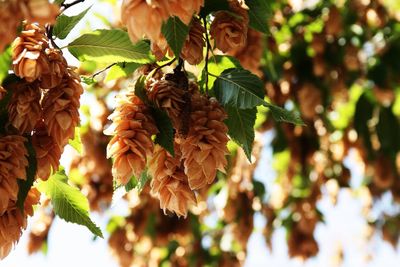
x,y
10,18
168,96
41,11
169,183
230,31
12,167
204,148
40,229
192,50
144,18
117,243
13,221
301,245
251,54
29,60
184,9
56,71
131,143
309,98
24,108
60,109
48,153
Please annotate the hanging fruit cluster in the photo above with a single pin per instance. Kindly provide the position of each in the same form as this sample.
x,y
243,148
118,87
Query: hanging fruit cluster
x,y
39,115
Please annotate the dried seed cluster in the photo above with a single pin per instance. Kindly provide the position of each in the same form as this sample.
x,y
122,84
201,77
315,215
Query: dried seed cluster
x,y
200,150
12,12
42,109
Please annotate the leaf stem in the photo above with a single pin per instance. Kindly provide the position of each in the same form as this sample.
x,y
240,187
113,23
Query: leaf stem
x,y
103,70
207,52
169,63
209,73
49,32
66,6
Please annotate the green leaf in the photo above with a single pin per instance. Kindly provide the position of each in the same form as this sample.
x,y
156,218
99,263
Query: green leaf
x,y
165,137
140,90
144,178
88,80
240,124
216,66
121,70
175,32
388,130
25,185
114,223
280,114
109,46
213,6
5,62
6,99
68,202
76,143
259,12
239,88
138,184
259,189
131,184
64,24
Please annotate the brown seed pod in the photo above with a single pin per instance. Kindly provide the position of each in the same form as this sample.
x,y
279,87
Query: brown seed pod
x,y
13,221
13,163
29,59
204,148
192,50
61,108
169,183
230,31
131,143
24,108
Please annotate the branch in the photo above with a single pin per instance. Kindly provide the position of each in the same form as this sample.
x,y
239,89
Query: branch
x,y
207,52
49,32
162,66
66,6
103,70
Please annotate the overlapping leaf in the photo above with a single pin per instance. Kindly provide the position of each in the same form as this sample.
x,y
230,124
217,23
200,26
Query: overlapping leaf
x,y
175,32
109,46
259,12
239,88
68,202
65,24
240,123
25,185
121,70
165,136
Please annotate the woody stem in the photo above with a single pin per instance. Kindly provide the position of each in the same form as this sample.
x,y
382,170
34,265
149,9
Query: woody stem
x,y
207,52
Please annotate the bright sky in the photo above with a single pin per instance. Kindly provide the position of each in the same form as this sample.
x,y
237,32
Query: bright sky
x,y
73,245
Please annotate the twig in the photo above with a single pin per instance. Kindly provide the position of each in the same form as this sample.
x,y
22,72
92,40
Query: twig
x,y
207,52
66,6
103,70
162,66
49,32
180,64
